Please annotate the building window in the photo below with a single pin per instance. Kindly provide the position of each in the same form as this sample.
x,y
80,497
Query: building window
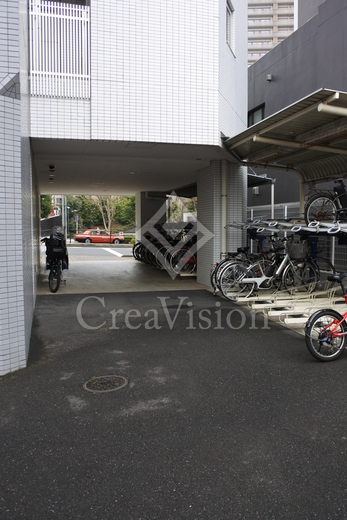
x,y
230,21
256,115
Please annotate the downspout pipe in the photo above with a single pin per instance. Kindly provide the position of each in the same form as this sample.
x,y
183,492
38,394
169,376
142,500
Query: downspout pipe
x,y
272,200
224,201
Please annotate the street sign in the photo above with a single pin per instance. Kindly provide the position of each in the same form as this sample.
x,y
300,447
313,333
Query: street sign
x,y
76,218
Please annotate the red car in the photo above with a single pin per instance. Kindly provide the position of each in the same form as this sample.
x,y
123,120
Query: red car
x,y
96,236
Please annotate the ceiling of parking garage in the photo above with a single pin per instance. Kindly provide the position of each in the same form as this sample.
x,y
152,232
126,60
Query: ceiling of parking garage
x,y
117,168
309,136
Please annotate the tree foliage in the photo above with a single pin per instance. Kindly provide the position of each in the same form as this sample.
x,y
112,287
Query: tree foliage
x,y
106,204
83,207
46,206
96,211
181,205
124,216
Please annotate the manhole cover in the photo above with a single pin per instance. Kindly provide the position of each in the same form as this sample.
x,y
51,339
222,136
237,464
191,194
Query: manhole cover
x,y
105,384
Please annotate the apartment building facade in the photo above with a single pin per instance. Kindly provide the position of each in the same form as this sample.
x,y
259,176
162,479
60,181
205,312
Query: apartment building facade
x,y
269,23
118,98
309,59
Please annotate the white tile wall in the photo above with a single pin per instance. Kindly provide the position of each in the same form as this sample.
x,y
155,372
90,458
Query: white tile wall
x,y
160,72
233,81
16,216
12,321
154,68
209,215
209,212
59,118
236,204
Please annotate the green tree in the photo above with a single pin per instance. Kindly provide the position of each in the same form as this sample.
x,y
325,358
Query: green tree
x,y
99,211
45,205
124,216
192,204
87,212
106,204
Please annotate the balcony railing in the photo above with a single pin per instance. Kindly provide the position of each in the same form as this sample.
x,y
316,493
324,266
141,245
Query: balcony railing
x,y
59,49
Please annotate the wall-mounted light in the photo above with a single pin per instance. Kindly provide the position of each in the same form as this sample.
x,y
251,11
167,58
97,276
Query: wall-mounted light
x,y
255,190
269,77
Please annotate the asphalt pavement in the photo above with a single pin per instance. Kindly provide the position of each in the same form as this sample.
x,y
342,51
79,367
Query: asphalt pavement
x,y
224,416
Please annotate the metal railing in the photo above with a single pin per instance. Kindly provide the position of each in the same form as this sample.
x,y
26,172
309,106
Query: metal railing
x,y
59,37
327,246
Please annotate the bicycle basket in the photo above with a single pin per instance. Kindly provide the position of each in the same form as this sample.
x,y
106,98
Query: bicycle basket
x,y
56,247
54,251
299,250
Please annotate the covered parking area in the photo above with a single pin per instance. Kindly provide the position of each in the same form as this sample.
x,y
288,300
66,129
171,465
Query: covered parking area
x,y
151,172
308,137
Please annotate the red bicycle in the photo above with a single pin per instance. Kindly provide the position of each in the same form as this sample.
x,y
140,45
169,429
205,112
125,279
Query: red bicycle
x,y
326,330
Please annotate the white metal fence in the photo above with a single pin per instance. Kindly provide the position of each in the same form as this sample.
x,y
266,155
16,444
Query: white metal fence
x,y
59,49
326,246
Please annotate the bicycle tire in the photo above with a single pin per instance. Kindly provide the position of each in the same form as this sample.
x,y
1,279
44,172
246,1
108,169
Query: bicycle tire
x,y
300,276
160,257
183,261
54,278
231,285
318,341
218,270
324,269
136,251
320,208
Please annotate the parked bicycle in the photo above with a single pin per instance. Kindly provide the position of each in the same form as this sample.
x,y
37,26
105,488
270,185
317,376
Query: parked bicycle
x,y
244,256
177,256
56,259
327,205
326,329
291,270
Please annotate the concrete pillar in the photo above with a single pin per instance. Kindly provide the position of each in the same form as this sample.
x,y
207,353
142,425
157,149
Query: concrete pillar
x,y
237,204
147,206
222,198
17,203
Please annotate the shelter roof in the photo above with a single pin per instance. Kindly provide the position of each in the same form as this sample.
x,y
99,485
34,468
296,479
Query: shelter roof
x,y
309,137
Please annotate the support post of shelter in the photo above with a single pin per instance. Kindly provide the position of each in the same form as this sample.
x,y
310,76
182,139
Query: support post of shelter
x,y
302,194
224,205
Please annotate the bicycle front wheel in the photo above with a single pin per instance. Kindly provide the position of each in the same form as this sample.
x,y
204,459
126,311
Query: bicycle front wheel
x,y
54,278
322,335
231,285
320,208
183,261
300,276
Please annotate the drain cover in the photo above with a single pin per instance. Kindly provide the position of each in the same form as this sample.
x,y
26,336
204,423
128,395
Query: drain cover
x,y
105,384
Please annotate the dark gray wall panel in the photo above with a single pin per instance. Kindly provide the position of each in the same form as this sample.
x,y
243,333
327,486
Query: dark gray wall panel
x,y
307,9
313,57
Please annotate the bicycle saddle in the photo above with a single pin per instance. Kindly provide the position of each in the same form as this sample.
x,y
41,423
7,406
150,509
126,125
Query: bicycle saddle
x,y
242,249
337,277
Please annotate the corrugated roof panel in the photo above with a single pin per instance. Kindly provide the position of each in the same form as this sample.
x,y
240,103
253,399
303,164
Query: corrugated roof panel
x,y
301,138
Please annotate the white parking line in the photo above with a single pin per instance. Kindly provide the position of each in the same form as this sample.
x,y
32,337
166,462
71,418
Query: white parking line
x,y
112,251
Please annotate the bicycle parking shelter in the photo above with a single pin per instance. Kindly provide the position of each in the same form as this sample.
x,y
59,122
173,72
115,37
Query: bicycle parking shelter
x,y
308,137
